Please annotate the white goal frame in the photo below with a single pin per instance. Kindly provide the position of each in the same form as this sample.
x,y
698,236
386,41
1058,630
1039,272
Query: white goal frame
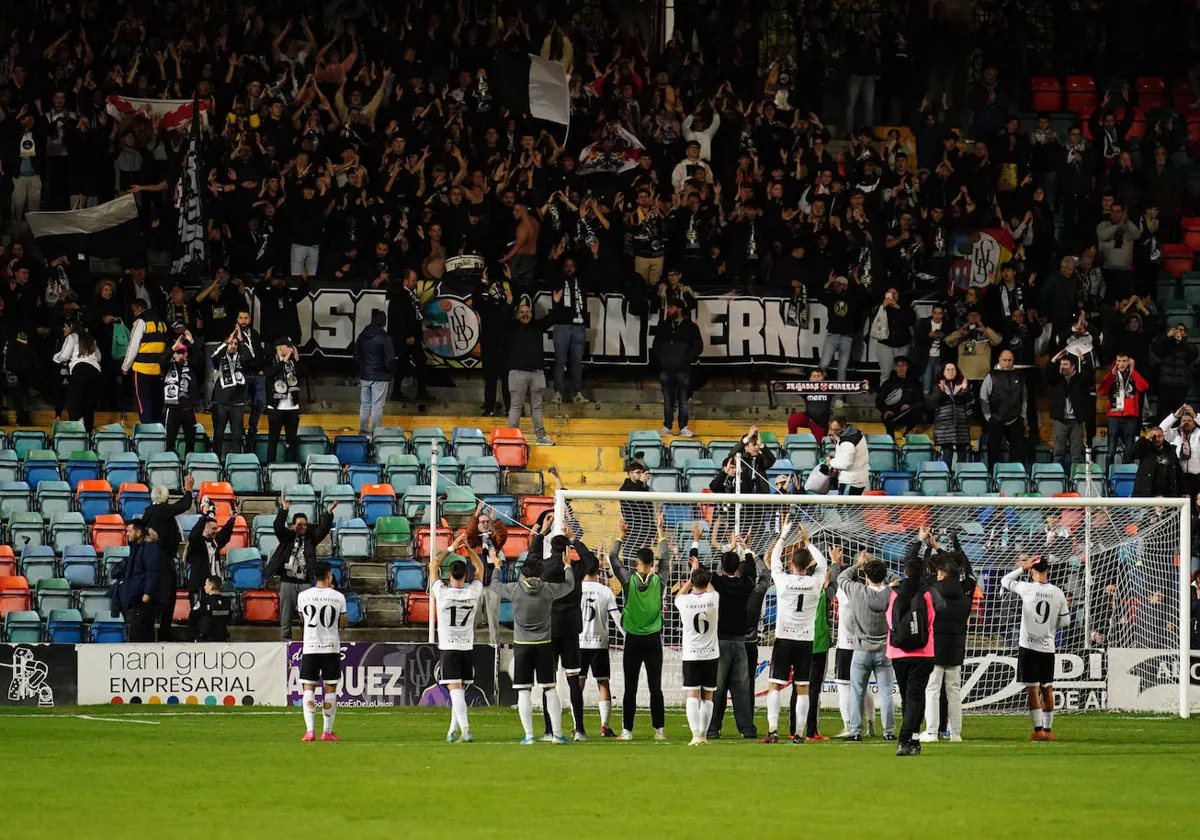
x,y
1181,505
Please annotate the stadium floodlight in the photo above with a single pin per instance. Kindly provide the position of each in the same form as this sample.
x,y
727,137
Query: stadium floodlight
x,y
1124,564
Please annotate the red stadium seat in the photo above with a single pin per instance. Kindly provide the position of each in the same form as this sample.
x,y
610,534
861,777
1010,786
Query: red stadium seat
x,y
8,562
240,538
509,448
1047,93
221,494
416,609
1182,96
1151,92
91,485
1177,259
183,607
14,594
441,541
109,530
1191,232
517,541
260,606
377,490
532,508
1081,93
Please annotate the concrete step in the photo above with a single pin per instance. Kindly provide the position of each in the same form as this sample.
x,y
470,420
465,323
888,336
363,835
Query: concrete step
x,y
368,577
384,610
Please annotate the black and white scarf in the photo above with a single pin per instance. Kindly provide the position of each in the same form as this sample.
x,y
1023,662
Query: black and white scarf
x,y
574,299
177,384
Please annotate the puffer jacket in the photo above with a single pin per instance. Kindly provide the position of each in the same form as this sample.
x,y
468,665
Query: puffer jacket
x,y
952,422
1177,360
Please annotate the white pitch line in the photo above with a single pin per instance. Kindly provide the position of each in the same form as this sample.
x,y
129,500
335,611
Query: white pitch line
x,y
111,719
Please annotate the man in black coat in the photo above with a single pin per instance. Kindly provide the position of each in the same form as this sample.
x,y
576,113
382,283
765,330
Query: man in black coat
x,y
900,399
1071,405
160,518
203,558
956,584
142,592
677,346
1159,472
376,360
406,325
294,559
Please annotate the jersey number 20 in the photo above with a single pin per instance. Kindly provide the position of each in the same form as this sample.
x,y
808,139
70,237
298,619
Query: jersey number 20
x,y
323,617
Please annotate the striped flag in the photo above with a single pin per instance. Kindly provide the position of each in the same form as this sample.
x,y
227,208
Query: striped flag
x,y
190,245
171,113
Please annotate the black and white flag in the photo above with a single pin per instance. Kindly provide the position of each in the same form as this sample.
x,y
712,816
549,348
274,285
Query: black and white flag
x,y
106,231
532,85
190,246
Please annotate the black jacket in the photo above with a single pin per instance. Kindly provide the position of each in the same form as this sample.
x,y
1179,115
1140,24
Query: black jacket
x,y
525,351
895,392
950,622
677,345
287,540
1077,390
279,382
566,619
1159,472
196,555
1178,357
754,468
161,519
278,312
375,355
145,574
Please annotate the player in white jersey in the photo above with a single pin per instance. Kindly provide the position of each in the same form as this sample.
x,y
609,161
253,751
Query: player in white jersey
x,y
457,605
1043,612
597,603
797,595
698,604
322,611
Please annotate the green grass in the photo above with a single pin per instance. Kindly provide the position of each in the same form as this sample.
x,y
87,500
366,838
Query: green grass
x,y
244,773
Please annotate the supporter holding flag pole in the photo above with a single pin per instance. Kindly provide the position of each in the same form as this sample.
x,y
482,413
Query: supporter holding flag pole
x,y
189,203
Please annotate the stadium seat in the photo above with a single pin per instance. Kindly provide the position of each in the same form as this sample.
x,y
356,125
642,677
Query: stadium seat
x,y
54,593
781,467
1121,478
895,482
93,498
468,443
40,465
260,606
24,441
509,448
801,449
183,607
10,467
310,440
281,476
392,530
53,497
81,566
698,475
1049,479
113,555
387,441
25,529
344,494
123,468
482,473
109,629
37,563
110,440
108,531
264,534
352,539
1177,259
65,627
917,450
449,473
94,603
1079,479
149,439
1046,93
356,612
647,445
14,498
82,465
244,472
340,570
320,471
67,529
301,498
23,627
203,466
504,508
358,475
415,503
425,545
244,568
971,478
459,501
221,494
684,451
881,452
424,439
1151,93
164,470
664,480
376,500
8,561
406,576
403,471
351,449
68,436
532,508
1010,478
14,594
132,500
719,450
1081,93
933,478
416,609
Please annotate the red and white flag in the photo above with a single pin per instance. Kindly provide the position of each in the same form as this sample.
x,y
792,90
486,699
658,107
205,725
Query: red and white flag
x,y
172,113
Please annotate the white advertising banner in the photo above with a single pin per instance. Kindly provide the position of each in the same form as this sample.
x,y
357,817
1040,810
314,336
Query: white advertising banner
x,y
177,674
1142,680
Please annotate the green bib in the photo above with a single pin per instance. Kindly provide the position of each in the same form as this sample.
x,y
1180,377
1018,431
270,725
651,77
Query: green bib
x,y
643,607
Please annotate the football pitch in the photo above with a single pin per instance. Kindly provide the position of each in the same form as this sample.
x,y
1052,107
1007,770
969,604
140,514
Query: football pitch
x,y
172,772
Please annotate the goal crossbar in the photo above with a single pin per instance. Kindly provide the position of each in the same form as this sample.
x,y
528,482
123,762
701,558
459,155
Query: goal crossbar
x,y
1181,505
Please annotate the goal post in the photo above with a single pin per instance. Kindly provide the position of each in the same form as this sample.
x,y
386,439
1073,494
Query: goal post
x,y
1124,564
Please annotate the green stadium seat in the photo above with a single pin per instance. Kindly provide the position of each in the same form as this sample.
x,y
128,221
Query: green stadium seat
x,y
23,627
203,466
10,465
322,471
482,473
392,530
801,449
24,441
387,441
244,472
698,475
163,469
423,441
109,440
25,529
14,498
281,476
68,436
684,451
311,440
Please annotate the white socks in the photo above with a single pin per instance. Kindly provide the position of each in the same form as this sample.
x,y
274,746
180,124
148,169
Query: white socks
x,y
310,709
801,710
773,702
1036,714
695,717
458,711
525,710
1048,719
845,704
330,710
706,707
605,712
554,708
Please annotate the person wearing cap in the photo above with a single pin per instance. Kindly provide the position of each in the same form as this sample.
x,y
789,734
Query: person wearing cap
x,y
142,589
843,308
283,399
179,396
1070,396
686,168
974,342
900,400
526,367
144,356
677,346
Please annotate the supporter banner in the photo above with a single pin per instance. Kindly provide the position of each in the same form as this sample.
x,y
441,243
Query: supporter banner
x,y
984,251
1148,680
195,674
396,674
37,675
737,330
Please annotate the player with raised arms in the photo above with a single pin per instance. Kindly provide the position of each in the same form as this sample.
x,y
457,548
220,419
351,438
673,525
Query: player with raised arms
x,y
698,604
1043,612
457,605
798,593
597,603
322,610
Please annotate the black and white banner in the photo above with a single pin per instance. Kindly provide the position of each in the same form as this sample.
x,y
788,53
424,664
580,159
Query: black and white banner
x,y
190,243
37,675
737,330
1142,680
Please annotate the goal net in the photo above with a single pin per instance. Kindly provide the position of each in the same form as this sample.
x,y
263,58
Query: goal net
x,y
1117,561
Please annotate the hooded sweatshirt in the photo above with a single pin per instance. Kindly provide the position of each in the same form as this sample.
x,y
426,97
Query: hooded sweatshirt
x,y
864,607
533,603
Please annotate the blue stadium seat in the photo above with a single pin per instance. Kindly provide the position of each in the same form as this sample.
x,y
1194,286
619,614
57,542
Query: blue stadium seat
x,y
244,567
109,630
468,443
81,465
406,576
933,478
1121,478
338,566
40,465
895,482
356,613
65,627
359,474
94,499
504,508
648,444
81,566
132,501
351,449
123,468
